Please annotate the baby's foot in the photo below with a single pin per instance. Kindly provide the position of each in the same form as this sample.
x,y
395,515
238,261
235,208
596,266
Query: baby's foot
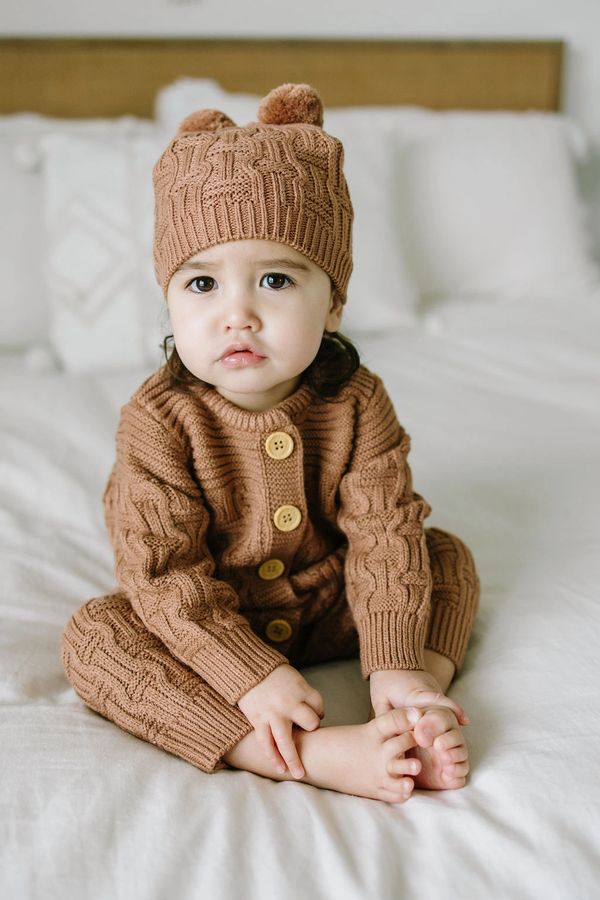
x,y
367,760
442,750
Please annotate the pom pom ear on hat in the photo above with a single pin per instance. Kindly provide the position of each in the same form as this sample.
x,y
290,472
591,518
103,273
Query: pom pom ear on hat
x,y
291,103
204,120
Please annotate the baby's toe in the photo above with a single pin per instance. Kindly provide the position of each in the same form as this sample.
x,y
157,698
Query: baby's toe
x,y
404,766
435,723
454,784
396,790
449,740
456,773
456,755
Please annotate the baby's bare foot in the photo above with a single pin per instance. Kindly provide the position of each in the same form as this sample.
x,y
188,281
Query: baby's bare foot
x,y
441,749
365,760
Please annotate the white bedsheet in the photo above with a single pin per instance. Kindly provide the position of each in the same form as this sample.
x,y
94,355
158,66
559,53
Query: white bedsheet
x,y
502,403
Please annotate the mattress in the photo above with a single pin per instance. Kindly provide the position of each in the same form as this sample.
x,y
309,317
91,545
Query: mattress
x,y
502,404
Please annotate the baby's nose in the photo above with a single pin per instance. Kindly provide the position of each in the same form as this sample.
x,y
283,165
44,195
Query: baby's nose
x,y
240,313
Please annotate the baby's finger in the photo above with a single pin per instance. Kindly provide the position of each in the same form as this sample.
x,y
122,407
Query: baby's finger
x,y
435,698
267,743
282,732
404,766
397,746
306,717
396,721
314,699
381,707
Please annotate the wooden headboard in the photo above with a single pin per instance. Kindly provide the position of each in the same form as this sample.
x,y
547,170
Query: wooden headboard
x,y
106,77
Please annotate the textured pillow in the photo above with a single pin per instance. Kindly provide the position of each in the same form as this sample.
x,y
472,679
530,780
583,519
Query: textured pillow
x,y
107,311
459,203
25,315
381,294
488,206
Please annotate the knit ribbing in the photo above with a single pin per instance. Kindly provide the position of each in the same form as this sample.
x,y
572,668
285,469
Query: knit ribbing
x,y
283,183
455,598
391,640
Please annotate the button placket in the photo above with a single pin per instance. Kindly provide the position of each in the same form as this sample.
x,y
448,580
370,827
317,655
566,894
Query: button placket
x,y
283,469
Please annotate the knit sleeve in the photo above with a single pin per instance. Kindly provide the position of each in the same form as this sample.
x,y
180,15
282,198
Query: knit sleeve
x,y
157,523
387,573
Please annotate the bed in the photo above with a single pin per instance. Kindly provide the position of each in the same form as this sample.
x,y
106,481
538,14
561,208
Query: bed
x,y
476,296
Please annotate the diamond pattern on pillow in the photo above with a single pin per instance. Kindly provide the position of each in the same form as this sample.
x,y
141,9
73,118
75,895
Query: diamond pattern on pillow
x,y
107,312
107,259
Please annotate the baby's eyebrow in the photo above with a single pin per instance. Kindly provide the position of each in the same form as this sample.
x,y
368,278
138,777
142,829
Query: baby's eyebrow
x,y
284,261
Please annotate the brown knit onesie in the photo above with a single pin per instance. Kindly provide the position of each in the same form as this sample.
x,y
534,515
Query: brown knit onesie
x,y
246,539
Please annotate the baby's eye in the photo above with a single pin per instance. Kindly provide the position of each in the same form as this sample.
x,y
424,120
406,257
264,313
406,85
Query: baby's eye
x,y
204,282
275,279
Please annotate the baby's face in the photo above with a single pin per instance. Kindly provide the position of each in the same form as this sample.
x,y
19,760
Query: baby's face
x,y
248,317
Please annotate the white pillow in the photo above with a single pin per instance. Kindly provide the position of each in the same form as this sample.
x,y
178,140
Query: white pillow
x,y
107,310
489,207
381,294
24,311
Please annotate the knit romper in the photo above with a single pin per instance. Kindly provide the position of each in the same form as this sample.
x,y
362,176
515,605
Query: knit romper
x,y
244,540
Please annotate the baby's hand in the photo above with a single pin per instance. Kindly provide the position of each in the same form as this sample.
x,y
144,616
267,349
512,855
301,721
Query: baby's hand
x,y
281,699
394,688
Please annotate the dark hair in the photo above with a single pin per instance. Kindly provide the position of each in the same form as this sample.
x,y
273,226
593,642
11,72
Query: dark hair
x,y
335,363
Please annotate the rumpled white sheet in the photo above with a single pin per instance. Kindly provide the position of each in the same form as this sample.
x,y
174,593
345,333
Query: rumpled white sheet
x,y
502,403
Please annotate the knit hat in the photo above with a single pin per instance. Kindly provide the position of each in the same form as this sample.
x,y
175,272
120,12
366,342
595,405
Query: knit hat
x,y
277,179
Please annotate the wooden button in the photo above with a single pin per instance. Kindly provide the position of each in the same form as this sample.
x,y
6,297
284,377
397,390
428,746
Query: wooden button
x,y
279,445
270,569
278,630
287,518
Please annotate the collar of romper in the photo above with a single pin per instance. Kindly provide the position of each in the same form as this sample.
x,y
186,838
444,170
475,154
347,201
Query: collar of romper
x,y
288,411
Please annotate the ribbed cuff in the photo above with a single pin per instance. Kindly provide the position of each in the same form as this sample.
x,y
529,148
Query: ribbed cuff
x,y
452,622
235,661
221,729
123,672
391,640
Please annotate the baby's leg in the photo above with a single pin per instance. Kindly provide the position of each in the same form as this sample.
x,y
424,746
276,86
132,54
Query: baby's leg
x,y
366,760
126,674
442,747
454,596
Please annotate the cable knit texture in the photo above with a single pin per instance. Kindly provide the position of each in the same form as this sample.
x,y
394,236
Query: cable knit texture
x,y
192,512
278,179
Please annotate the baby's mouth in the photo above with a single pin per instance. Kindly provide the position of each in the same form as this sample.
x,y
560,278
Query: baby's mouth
x,y
237,357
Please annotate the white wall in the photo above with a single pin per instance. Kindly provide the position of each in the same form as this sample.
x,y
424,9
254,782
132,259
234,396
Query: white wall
x,y
577,22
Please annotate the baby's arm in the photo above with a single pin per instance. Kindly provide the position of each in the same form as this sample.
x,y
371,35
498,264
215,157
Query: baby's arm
x,y
273,706
387,571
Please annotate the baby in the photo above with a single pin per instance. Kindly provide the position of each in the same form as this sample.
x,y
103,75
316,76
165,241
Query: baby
x,y
260,506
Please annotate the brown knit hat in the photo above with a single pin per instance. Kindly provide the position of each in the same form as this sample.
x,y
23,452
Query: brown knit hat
x,y
277,179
